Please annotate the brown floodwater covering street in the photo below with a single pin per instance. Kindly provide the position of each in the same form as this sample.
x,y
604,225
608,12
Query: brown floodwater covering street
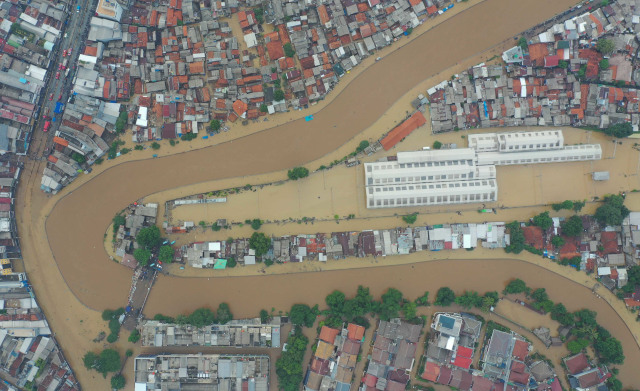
x,y
75,224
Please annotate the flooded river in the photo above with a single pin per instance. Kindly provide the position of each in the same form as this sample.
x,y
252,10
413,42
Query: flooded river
x,y
76,225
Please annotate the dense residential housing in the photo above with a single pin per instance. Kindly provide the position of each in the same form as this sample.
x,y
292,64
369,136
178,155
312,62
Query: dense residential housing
x,y
467,175
334,359
340,245
558,80
392,356
236,333
30,355
201,371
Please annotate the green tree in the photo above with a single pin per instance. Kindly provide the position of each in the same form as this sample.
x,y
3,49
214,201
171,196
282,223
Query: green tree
x,y
604,64
165,254
215,125
288,50
567,204
118,220
336,300
575,346
543,220
516,286
409,310
613,211
108,361
423,301
264,108
117,382
149,237
142,255
487,303
302,315
259,13
620,130
121,122
557,241
223,313
256,224
78,158
609,350
410,219
578,205
297,173
605,46
560,314
563,64
391,304
517,238
469,299
289,364
278,95
437,145
155,146
540,294
90,360
134,337
360,305
264,316
572,226
522,42
362,146
260,243
445,297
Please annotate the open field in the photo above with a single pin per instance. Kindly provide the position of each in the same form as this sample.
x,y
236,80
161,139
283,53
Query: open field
x,y
74,278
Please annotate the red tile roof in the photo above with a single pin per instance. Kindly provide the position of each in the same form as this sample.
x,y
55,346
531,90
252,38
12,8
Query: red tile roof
x,y
328,334
403,130
431,372
520,349
577,363
355,332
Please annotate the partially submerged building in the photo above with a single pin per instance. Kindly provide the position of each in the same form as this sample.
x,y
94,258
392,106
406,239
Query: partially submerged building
x,y
466,175
201,372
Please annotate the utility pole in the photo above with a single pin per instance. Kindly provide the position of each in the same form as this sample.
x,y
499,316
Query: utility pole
x,y
615,147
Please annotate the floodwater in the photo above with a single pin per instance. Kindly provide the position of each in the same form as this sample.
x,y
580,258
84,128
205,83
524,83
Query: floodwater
x,y
76,225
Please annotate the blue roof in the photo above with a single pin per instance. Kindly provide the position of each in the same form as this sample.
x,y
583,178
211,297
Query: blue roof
x,y
447,321
342,386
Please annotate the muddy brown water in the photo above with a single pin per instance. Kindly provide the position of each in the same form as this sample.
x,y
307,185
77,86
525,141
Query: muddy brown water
x,y
76,225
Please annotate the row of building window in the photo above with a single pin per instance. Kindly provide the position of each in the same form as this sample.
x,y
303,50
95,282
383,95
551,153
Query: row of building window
x,y
434,200
424,178
547,159
432,186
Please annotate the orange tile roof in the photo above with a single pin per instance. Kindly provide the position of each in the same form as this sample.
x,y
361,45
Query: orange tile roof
x,y
323,14
239,107
403,130
61,141
328,334
355,332
196,67
91,51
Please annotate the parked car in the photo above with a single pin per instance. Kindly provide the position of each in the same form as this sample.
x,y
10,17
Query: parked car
x,y
60,97
57,75
51,96
47,125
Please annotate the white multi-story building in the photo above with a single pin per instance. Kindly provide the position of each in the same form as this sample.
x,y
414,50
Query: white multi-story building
x,y
570,153
435,193
466,175
517,141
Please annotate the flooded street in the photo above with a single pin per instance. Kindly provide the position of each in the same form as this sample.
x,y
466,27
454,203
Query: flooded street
x,y
73,276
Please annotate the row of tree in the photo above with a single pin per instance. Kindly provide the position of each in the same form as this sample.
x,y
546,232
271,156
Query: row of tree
x,y
608,348
200,317
150,239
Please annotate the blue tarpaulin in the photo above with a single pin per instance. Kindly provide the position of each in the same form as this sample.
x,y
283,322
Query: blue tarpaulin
x,y
59,107
308,118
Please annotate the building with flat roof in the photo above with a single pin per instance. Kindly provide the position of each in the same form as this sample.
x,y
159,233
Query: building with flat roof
x,y
465,175
201,372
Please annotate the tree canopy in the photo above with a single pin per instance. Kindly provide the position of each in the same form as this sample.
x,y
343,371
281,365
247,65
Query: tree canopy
x,y
517,238
297,173
445,297
142,255
469,299
260,243
543,220
335,300
165,254
572,226
605,46
223,313
117,382
214,125
516,286
613,211
278,95
107,361
303,315
391,305
289,364
288,50
620,130
149,237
